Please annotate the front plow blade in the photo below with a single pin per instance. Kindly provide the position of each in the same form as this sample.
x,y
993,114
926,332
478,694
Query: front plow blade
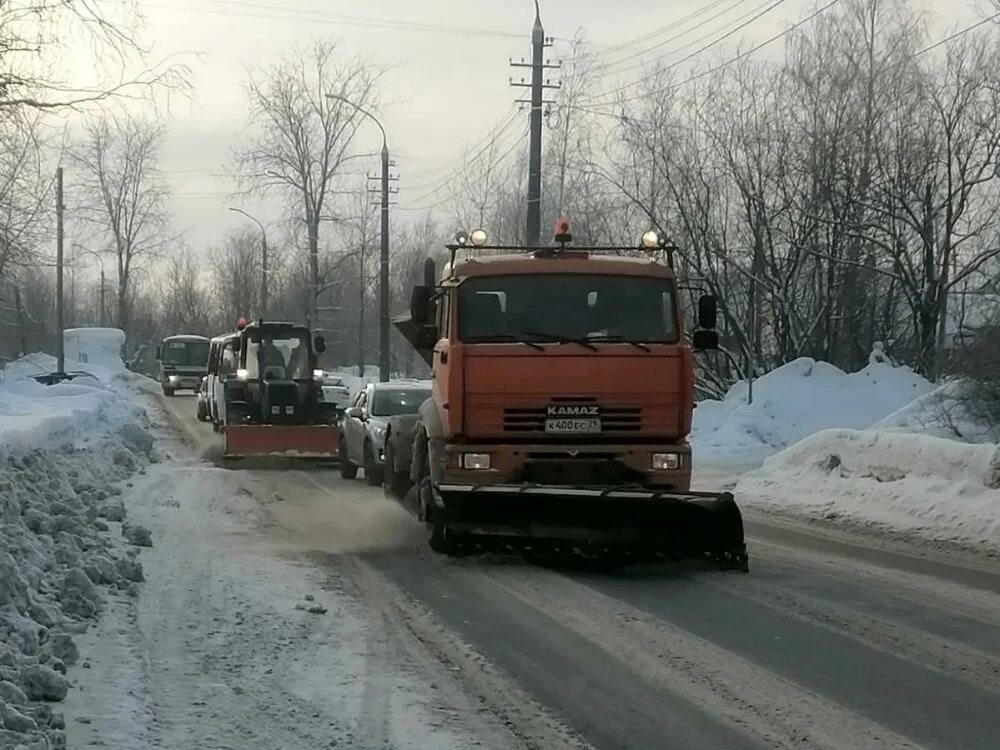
x,y
634,524
281,441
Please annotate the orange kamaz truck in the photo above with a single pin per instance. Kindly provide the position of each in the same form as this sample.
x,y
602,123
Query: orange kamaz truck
x,y
563,390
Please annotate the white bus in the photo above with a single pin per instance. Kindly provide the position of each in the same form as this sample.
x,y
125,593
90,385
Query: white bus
x,y
183,362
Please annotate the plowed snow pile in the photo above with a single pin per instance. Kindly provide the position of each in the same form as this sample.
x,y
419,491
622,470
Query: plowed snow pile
x,y
798,400
65,450
931,487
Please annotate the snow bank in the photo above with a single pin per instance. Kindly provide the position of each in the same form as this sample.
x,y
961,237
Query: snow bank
x,y
798,400
64,452
942,412
938,489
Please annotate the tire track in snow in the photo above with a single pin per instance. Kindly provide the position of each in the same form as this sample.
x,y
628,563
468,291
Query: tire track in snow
x,y
976,667
755,701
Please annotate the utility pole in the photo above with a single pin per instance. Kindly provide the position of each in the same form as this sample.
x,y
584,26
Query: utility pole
x,y
60,344
538,85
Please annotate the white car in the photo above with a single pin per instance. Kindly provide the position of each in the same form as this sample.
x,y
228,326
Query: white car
x,y
334,391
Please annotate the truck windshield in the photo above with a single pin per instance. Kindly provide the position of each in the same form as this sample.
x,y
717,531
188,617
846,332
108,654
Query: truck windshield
x,y
567,307
190,353
283,355
393,403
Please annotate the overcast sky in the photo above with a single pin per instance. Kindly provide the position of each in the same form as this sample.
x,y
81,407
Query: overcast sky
x,y
444,89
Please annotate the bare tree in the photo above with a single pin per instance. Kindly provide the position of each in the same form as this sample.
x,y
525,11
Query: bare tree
x,y
183,296
33,33
236,275
122,193
301,137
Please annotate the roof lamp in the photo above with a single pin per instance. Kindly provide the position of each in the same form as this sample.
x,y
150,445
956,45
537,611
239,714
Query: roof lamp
x,y
461,238
650,240
478,237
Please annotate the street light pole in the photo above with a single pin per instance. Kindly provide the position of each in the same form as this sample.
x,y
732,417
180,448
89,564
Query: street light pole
x,y
383,332
100,263
263,260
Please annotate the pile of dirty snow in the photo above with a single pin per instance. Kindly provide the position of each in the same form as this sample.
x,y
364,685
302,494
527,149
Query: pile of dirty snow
x,y
798,400
65,451
937,489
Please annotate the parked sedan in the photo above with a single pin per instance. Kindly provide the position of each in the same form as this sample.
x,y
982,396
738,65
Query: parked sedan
x,y
335,391
363,435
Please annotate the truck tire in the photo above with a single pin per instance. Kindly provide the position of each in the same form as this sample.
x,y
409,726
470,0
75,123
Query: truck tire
x,y
373,474
438,538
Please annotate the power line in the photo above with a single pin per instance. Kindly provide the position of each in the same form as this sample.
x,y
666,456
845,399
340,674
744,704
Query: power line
x,y
282,13
673,38
499,161
621,89
959,33
662,29
492,140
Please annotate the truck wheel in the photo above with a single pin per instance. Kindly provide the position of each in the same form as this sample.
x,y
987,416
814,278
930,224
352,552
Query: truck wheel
x,y
373,474
438,537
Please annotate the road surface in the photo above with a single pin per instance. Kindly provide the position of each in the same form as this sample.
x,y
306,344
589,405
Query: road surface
x,y
830,642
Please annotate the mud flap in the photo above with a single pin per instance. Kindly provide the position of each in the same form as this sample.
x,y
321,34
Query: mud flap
x,y
639,524
282,441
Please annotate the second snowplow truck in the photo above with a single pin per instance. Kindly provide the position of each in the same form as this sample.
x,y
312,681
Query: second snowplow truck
x,y
563,391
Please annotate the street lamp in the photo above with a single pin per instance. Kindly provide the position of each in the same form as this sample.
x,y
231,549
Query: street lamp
x,y
100,262
263,259
383,363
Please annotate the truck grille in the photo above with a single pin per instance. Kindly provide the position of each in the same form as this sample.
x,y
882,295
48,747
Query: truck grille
x,y
620,419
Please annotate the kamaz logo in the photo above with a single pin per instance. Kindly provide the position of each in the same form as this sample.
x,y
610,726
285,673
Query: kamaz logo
x,y
573,411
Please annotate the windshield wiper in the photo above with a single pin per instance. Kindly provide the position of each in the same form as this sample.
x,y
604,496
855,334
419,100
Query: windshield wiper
x,y
622,339
502,337
560,339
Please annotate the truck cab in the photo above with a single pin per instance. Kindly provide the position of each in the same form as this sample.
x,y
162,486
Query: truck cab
x,y
559,367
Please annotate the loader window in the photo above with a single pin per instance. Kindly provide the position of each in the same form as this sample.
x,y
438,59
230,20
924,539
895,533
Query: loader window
x,y
567,306
279,356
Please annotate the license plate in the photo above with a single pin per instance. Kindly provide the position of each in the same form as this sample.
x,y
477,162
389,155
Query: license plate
x,y
573,424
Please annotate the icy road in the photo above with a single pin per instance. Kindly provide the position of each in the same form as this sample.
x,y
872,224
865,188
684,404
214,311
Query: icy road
x,y
829,642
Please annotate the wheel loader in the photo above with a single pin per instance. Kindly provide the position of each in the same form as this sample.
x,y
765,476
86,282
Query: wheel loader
x,y
271,401
563,390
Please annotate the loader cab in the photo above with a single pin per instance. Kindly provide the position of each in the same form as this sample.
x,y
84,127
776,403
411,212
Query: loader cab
x,y
271,375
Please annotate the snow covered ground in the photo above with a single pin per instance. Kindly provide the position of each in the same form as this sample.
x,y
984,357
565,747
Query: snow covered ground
x,y
795,401
147,600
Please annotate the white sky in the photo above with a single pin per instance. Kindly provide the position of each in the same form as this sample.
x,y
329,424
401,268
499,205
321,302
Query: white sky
x,y
443,91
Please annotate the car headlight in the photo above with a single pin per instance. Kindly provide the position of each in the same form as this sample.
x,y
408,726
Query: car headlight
x,y
172,378
666,461
378,432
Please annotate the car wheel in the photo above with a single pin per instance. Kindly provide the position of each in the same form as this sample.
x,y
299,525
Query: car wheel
x,y
373,473
347,469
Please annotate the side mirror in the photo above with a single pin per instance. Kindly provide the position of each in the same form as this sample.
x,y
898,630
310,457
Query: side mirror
x,y
708,312
319,344
355,412
704,341
420,304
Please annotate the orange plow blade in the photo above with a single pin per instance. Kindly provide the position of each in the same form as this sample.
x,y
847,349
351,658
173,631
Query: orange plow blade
x,y
282,441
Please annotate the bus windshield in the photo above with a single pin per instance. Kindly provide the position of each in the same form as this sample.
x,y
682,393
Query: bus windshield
x,y
185,353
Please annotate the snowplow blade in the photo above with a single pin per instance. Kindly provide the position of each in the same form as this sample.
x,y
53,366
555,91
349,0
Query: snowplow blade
x,y
282,441
640,525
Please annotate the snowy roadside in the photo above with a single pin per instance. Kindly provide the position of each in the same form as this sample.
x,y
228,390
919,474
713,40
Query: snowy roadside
x,y
921,487
66,453
236,642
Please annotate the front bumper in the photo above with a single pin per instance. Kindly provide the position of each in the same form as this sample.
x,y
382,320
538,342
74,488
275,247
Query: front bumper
x,y
182,382
592,465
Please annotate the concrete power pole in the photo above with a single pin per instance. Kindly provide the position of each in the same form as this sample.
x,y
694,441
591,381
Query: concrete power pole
x,y
384,190
60,344
533,229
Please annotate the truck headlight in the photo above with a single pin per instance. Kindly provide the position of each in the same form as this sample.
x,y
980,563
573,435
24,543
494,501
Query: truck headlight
x,y
666,461
476,461
242,374
318,375
172,378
